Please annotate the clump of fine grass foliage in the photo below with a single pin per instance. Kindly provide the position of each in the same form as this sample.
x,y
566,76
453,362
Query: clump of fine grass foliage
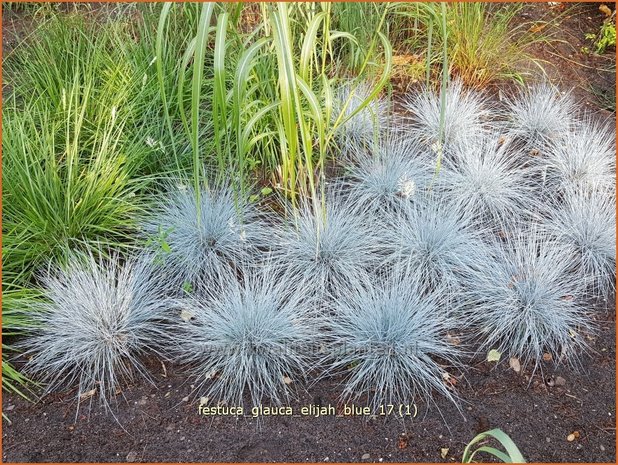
x,y
483,178
96,318
487,43
201,237
586,222
439,244
65,187
396,174
251,335
365,123
462,118
527,303
330,244
540,115
584,158
390,341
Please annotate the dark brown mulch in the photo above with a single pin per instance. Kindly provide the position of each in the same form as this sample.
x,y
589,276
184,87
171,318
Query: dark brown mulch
x,y
569,60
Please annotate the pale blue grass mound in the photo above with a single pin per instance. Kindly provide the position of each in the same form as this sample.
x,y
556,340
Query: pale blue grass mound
x,y
252,335
586,222
465,116
485,180
439,245
540,115
585,158
399,173
527,303
389,341
197,243
96,319
331,245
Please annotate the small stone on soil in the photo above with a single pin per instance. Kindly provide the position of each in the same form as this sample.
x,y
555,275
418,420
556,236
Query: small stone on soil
x,y
514,364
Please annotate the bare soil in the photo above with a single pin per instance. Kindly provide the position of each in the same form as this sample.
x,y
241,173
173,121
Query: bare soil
x,y
159,422
591,77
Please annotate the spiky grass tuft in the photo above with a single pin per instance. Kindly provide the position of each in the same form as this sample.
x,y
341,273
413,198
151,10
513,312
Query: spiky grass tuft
x,y
583,159
364,128
586,222
482,179
251,335
540,115
384,182
330,245
527,304
439,245
464,116
229,230
390,341
95,321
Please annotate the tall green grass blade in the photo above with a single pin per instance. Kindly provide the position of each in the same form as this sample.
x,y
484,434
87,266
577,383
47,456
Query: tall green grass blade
x,y
445,73
159,62
219,100
241,79
288,97
201,42
309,46
384,78
428,55
180,95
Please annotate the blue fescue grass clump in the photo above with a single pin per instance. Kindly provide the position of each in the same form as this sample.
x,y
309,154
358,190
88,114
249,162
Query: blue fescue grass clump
x,y
586,222
390,341
484,178
331,245
463,118
527,304
251,335
96,318
198,241
365,127
439,244
540,115
584,158
397,174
